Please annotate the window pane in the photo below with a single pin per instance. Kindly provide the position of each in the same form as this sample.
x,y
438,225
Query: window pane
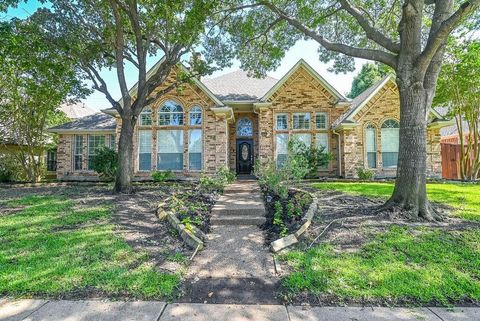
x,y
281,148
170,114
304,138
170,149
301,121
371,147
78,153
146,117
390,142
195,149
321,121
244,128
322,140
372,159
145,150
94,143
389,159
282,122
196,116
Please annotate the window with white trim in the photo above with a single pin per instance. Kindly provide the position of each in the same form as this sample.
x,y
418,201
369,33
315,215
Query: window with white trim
x,y
195,116
170,114
371,146
195,148
78,153
170,150
144,150
282,122
301,121
321,120
390,141
281,149
321,140
145,118
95,142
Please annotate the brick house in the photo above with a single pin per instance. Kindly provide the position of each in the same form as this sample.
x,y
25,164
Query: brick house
x,y
234,120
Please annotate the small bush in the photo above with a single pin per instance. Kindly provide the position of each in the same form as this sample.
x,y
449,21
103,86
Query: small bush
x,y
105,163
365,174
162,176
226,174
217,182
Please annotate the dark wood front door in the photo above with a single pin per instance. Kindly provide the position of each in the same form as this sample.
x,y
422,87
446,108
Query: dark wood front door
x,y
244,156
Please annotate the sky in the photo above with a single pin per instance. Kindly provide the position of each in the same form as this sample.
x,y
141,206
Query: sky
x,y
306,49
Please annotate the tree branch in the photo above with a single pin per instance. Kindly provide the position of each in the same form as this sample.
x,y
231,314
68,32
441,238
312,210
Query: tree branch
x,y
369,54
371,32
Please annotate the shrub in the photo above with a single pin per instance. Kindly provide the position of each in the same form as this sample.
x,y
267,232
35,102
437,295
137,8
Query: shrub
x,y
226,174
9,171
307,159
217,182
105,163
162,176
365,174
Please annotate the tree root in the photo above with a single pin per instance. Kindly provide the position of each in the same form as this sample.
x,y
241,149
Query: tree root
x,y
399,209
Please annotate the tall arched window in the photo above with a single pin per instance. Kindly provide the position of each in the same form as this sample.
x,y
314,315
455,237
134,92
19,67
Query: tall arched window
x,y
170,114
371,145
390,141
195,116
244,128
145,118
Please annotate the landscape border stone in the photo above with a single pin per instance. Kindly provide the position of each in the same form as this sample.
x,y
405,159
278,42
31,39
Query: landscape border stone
x,y
291,239
187,235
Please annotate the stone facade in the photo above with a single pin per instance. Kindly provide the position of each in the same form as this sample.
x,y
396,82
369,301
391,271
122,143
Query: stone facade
x,y
301,91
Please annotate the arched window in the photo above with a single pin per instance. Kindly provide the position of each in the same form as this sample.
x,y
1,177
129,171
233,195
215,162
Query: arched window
x,y
244,128
170,114
371,145
195,116
390,142
145,118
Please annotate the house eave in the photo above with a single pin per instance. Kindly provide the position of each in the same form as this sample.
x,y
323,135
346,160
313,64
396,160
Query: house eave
x,y
81,131
224,111
441,123
345,126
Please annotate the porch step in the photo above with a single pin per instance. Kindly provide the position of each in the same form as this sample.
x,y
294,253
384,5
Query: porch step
x,y
237,220
254,211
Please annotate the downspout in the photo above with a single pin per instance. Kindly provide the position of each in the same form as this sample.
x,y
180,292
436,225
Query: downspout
x,y
339,152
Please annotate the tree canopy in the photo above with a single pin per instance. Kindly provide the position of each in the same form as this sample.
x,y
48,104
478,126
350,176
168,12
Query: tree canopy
x,y
368,75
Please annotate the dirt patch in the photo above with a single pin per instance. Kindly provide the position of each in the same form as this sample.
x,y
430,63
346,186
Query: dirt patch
x,y
349,221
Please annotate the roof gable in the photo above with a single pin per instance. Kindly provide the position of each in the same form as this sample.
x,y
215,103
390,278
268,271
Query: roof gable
x,y
303,64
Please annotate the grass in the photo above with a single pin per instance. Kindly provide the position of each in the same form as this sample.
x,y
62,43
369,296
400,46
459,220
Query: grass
x,y
465,198
51,248
401,265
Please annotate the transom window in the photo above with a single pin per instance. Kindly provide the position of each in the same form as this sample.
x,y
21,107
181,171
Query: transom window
x,y
170,114
195,116
321,120
390,141
301,121
244,127
282,121
145,118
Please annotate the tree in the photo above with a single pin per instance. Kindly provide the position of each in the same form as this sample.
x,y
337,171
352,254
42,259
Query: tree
x,y
409,36
368,75
459,89
120,34
34,79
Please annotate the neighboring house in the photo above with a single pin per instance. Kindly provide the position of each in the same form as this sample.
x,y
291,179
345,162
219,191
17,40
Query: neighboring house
x,y
234,120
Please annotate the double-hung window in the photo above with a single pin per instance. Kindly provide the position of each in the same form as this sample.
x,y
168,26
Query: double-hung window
x,y
301,121
195,148
281,149
170,150
95,142
390,141
78,153
371,146
282,122
145,150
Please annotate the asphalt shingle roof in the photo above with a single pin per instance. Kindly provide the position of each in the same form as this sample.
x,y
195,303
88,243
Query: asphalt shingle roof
x,y
95,122
238,86
76,110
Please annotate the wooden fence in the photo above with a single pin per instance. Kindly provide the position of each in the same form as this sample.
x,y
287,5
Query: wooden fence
x,y
451,160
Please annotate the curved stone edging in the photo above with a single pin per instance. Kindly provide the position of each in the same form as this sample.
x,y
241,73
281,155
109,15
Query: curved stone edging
x,y
292,239
192,237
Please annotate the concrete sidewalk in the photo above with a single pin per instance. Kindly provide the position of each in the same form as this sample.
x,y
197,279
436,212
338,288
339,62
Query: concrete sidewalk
x,y
41,310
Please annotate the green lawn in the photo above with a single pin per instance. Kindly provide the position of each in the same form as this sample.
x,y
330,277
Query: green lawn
x,y
413,265
52,248
465,198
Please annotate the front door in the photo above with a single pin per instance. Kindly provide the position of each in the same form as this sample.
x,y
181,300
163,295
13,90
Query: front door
x,y
244,156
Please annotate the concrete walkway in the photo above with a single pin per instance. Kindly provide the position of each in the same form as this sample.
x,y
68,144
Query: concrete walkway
x,y
40,310
235,266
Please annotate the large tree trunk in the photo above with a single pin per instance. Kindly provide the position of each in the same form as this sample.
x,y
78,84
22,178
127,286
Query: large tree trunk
x,y
123,182
410,195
